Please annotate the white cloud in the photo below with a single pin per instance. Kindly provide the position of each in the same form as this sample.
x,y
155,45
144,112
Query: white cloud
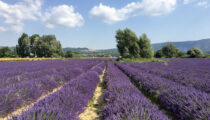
x,y
111,15
62,15
203,3
108,14
14,15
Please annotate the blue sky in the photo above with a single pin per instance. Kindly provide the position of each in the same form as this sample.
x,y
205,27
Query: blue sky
x,y
93,23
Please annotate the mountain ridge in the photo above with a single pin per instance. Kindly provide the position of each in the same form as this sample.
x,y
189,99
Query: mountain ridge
x,y
203,44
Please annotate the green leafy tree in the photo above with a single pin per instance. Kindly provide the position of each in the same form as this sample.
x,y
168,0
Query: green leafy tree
x,y
145,46
5,52
127,43
48,46
69,54
195,53
159,54
181,54
23,47
170,51
33,39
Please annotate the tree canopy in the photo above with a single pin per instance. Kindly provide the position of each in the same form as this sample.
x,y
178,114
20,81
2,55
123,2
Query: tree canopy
x,y
129,46
145,46
195,53
45,46
5,52
127,43
23,47
170,51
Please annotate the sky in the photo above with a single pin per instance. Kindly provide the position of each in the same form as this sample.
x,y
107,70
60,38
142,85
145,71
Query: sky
x,y
93,23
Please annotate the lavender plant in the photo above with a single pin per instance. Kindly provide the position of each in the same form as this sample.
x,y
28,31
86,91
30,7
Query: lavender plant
x,y
29,87
184,102
123,101
188,72
68,102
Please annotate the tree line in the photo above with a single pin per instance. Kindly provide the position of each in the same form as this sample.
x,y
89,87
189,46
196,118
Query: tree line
x,y
37,46
130,46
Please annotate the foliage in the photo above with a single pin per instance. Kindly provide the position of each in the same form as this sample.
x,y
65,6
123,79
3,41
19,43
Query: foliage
x,y
169,51
159,54
77,55
23,47
36,46
5,52
146,50
195,53
69,54
181,54
127,43
48,46
103,55
33,39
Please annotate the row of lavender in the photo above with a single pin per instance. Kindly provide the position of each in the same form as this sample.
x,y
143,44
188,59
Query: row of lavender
x,y
31,86
15,72
123,101
188,72
184,102
67,103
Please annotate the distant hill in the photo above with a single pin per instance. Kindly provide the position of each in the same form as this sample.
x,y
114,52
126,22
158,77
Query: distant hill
x,y
91,52
203,44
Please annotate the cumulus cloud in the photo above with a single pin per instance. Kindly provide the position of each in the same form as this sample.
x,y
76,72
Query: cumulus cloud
x,y
62,15
14,15
111,15
203,3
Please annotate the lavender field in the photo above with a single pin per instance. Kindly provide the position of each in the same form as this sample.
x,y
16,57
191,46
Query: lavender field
x,y
178,89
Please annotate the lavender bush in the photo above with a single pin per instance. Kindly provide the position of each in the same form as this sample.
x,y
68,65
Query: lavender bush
x,y
184,102
68,102
188,72
123,101
29,87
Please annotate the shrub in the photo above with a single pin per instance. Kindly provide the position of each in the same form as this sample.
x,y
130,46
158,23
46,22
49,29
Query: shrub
x,y
195,53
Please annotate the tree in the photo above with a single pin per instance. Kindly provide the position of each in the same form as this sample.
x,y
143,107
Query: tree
x,y
170,51
181,54
23,47
5,52
33,39
145,47
69,54
127,43
159,54
48,46
195,53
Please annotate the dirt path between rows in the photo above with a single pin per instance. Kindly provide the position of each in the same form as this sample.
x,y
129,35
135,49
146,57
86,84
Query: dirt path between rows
x,y
95,107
